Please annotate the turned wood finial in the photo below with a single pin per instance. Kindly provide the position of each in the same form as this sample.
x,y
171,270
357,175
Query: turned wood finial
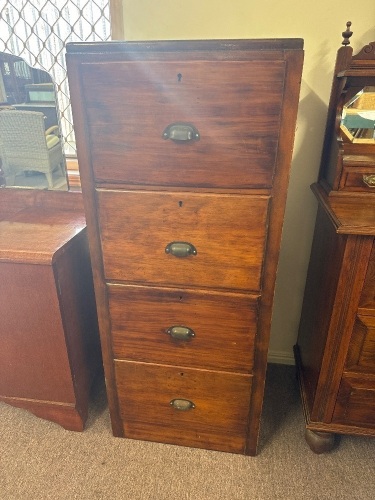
x,y
347,34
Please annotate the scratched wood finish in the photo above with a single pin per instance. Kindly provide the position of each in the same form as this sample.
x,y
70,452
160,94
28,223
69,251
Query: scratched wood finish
x,y
228,233
218,420
224,326
224,193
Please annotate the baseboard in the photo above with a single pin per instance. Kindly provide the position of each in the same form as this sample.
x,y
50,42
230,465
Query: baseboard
x,y
281,357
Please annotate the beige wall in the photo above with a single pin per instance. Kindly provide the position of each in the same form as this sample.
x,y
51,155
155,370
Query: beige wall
x,y
320,24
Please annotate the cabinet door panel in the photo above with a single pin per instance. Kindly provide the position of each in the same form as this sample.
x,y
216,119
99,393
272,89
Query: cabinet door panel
x,y
355,403
361,354
367,301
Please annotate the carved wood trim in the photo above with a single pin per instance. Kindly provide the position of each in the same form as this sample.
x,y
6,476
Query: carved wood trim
x,y
366,53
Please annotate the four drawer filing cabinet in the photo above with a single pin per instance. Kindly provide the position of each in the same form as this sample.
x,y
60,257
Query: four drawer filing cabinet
x,y
184,151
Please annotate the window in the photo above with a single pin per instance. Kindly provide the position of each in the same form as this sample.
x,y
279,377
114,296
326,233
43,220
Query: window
x,y
37,31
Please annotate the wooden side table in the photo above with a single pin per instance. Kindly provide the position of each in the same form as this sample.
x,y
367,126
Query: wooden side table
x,y
49,347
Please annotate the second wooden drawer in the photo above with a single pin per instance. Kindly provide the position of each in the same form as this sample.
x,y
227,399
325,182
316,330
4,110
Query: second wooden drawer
x,y
228,233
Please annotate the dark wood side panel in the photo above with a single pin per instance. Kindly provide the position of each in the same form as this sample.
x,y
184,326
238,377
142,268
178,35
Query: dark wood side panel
x,y
323,274
77,304
33,358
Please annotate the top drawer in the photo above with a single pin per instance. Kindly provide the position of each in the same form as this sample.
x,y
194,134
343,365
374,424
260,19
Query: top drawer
x,y
358,179
233,106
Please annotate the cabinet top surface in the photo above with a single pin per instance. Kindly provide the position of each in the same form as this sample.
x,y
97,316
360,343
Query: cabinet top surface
x,y
185,45
35,236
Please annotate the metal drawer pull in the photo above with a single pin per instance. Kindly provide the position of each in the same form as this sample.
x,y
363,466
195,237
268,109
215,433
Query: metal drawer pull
x,y
369,180
181,132
180,249
182,404
180,332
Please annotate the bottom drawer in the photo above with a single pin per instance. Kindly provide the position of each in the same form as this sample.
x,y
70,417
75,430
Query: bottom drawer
x,y
355,403
216,419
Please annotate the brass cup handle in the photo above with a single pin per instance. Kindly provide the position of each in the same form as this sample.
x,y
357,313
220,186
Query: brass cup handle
x,y
182,404
180,332
181,132
181,249
369,180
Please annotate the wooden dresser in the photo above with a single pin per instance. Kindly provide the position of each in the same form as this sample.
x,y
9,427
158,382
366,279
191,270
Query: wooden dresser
x,y
49,342
184,151
335,352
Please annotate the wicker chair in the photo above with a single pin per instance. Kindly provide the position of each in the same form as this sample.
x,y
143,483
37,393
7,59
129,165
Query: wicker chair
x,y
25,145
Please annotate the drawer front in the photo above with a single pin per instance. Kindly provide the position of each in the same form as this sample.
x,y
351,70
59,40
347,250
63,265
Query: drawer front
x,y
358,179
361,354
217,421
355,403
196,329
235,107
227,231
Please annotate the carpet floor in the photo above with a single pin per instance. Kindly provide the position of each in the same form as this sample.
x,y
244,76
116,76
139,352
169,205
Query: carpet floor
x,y
40,460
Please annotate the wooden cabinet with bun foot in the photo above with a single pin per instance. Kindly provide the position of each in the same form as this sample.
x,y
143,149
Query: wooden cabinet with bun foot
x,y
335,350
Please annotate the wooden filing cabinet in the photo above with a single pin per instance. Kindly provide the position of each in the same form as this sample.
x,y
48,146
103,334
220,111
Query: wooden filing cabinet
x,y
49,342
335,351
184,151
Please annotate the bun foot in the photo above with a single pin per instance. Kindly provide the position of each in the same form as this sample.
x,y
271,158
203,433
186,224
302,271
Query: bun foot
x,y
319,442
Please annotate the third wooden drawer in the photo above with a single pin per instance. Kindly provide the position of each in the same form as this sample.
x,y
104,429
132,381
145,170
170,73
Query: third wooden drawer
x,y
177,326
